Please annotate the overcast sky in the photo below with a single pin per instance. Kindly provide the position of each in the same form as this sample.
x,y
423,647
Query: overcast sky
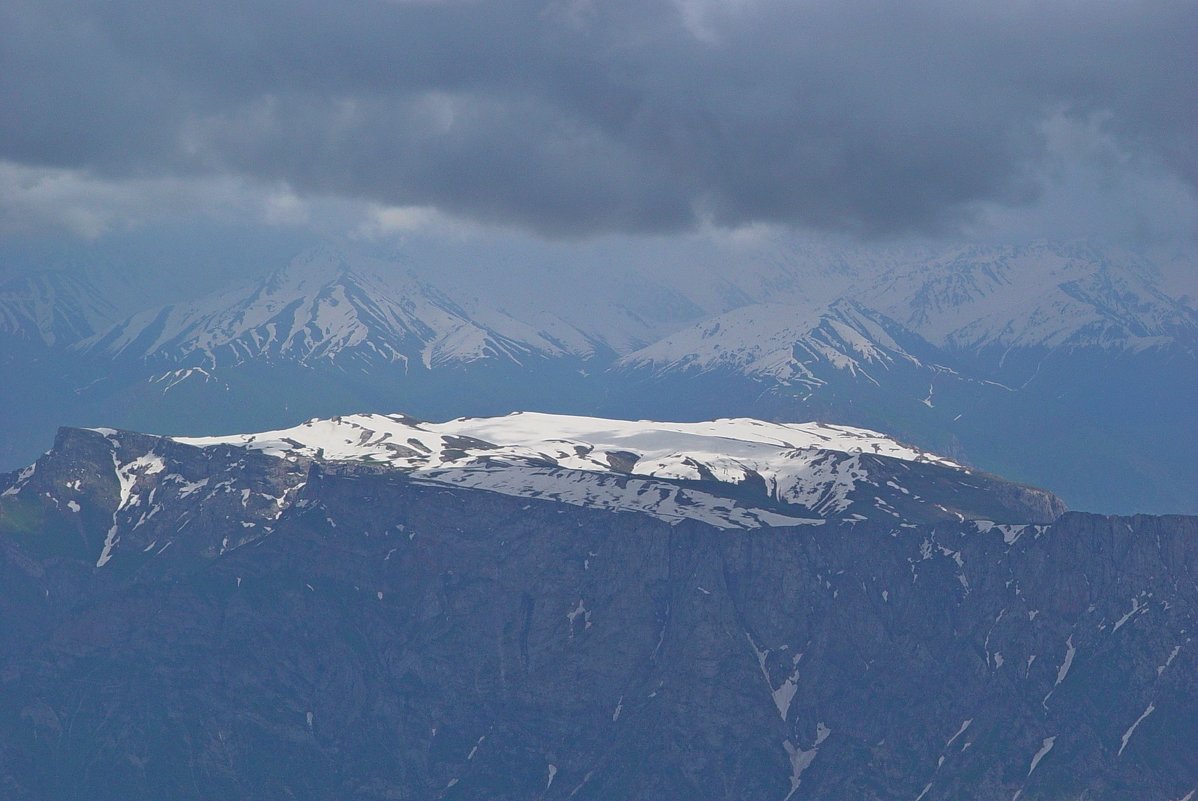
x,y
235,130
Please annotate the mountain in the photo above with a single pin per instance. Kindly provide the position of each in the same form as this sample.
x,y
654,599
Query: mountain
x,y
992,301
838,361
975,308
321,310
725,473
841,361
52,308
986,311
779,342
324,612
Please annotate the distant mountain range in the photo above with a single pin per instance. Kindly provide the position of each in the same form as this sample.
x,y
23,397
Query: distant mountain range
x,y
1066,366
321,311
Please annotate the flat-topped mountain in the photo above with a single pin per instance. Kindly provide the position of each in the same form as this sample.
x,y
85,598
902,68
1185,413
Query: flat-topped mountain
x,y
725,473
539,606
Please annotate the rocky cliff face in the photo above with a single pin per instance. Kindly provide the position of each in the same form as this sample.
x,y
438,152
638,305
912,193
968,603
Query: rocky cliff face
x,y
334,630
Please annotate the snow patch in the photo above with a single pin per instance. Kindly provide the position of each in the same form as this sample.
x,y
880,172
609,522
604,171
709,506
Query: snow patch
x,y
22,479
785,692
800,760
1045,747
1135,607
1169,661
965,725
1063,670
1131,730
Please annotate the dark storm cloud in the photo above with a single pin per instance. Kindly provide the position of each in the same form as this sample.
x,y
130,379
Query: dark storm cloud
x,y
583,117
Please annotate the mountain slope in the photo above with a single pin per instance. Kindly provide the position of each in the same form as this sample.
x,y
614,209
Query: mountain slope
x,y
320,310
788,345
52,308
376,635
1043,297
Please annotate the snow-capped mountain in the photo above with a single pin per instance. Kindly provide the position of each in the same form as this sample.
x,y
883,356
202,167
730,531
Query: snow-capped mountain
x,y
134,489
378,631
322,310
946,309
326,309
52,309
1038,297
780,342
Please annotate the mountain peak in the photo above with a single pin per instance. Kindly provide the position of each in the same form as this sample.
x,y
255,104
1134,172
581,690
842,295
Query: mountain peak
x,y
308,271
321,308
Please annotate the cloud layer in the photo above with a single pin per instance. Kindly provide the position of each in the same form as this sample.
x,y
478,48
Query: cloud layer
x,y
582,117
